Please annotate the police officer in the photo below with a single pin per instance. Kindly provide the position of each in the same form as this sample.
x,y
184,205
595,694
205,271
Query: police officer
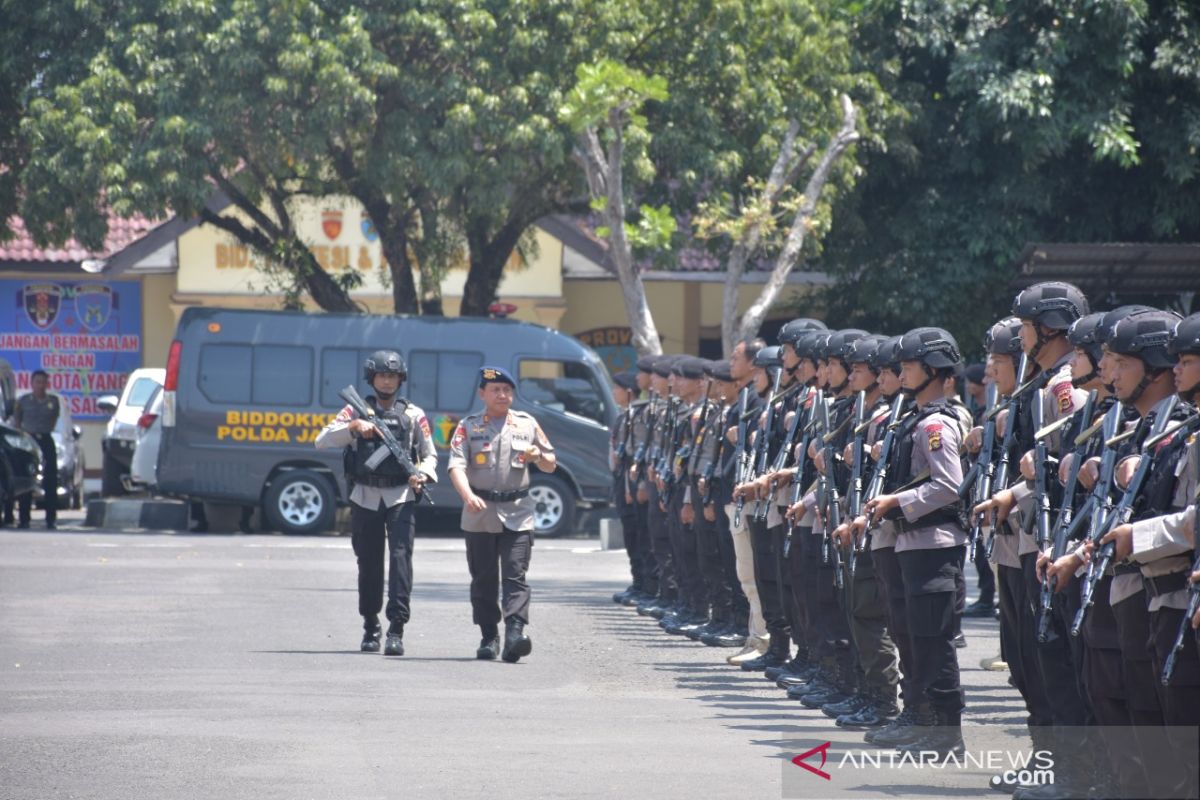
x,y
37,413
625,392
382,500
931,543
490,456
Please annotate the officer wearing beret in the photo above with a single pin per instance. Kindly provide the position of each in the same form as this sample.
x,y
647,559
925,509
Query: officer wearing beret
x,y
489,459
382,500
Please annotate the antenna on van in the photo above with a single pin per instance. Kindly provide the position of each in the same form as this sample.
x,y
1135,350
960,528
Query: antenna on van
x,y
501,310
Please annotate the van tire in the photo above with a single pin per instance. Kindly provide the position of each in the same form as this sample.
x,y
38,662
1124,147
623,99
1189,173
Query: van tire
x,y
555,511
110,481
300,501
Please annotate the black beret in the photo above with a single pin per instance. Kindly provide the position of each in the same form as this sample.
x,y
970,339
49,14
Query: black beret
x,y
974,373
626,380
689,367
646,363
721,371
662,366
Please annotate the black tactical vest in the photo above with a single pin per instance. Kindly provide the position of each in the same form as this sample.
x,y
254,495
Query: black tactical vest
x,y
1158,489
390,472
900,470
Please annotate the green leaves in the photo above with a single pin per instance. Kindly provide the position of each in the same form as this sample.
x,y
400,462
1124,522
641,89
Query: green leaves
x,y
608,86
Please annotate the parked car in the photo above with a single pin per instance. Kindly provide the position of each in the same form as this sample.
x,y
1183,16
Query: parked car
x,y
121,434
144,467
247,392
70,460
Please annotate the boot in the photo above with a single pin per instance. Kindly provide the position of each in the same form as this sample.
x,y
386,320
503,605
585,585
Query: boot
x,y
943,738
776,655
516,643
903,731
489,645
752,649
371,635
620,597
983,607
879,709
852,705
394,645
839,691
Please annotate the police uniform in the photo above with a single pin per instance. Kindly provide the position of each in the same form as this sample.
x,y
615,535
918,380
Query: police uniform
x,y
382,505
491,452
625,493
37,417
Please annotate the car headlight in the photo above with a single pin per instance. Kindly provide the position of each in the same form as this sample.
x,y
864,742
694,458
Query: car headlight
x,y
21,442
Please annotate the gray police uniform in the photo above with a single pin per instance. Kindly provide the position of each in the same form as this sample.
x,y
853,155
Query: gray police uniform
x,y
492,454
38,418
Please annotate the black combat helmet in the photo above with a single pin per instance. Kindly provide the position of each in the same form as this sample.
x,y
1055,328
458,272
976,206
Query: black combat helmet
x,y
1053,304
1004,338
840,342
806,344
384,361
1084,334
1145,336
886,354
933,347
1186,337
769,357
792,330
1105,329
865,350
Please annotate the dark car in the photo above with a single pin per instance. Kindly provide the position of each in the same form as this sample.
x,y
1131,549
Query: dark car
x,y
247,392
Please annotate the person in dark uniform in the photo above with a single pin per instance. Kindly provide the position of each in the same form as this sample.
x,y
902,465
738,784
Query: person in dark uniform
x,y
931,543
37,413
382,501
625,392
490,456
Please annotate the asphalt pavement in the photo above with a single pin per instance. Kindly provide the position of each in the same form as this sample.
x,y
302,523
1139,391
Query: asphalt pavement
x,y
151,665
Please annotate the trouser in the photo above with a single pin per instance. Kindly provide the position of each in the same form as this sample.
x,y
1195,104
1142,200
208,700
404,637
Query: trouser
x,y
1133,637
369,530
645,551
783,576
806,548
683,549
660,546
633,533
832,620
766,579
1055,659
496,557
709,562
1018,644
891,587
739,605
930,588
876,651
987,580
49,482
1180,699
800,573
743,553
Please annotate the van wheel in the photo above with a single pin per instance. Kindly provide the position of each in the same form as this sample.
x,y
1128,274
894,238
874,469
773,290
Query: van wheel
x,y
554,505
300,501
110,481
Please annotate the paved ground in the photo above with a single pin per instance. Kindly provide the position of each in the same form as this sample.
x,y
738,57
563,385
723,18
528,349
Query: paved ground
x,y
173,666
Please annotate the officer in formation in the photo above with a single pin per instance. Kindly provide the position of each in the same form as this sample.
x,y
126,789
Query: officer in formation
x,y
383,495
37,413
814,504
490,456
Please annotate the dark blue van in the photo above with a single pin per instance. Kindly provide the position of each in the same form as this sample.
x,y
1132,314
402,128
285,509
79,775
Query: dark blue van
x,y
247,392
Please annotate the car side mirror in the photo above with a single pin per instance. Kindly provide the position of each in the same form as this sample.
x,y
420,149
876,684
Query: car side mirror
x,y
76,432
108,403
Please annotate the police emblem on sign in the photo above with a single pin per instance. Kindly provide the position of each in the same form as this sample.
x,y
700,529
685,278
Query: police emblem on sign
x,y
331,223
93,305
42,303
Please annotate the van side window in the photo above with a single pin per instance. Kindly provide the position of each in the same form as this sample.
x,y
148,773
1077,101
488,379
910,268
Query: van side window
x,y
225,372
340,367
282,375
566,386
443,380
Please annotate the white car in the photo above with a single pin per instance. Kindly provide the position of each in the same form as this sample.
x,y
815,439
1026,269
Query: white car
x,y
70,460
121,434
143,470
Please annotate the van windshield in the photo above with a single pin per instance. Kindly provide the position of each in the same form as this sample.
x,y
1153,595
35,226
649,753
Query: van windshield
x,y
567,386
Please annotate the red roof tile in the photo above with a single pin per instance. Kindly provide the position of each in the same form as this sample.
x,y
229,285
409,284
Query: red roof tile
x,y
121,233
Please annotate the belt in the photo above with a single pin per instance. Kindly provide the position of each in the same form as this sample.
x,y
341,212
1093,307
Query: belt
x,y
1165,584
501,497
1126,569
381,481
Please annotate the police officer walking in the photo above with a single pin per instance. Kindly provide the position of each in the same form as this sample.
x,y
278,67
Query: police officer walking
x,y
37,413
382,500
489,459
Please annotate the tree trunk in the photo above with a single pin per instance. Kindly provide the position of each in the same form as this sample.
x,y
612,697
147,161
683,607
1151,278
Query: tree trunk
x,y
732,328
394,242
488,257
605,181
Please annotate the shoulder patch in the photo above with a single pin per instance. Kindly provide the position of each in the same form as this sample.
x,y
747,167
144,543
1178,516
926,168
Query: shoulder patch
x,y
460,433
933,434
1063,394
345,415
424,423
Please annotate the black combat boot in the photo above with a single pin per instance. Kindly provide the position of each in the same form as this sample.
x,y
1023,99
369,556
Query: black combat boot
x,y
371,635
944,737
880,708
902,731
776,655
394,644
489,645
516,643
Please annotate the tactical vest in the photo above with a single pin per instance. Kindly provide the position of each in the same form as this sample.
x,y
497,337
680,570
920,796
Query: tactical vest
x,y
900,470
390,472
1158,490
